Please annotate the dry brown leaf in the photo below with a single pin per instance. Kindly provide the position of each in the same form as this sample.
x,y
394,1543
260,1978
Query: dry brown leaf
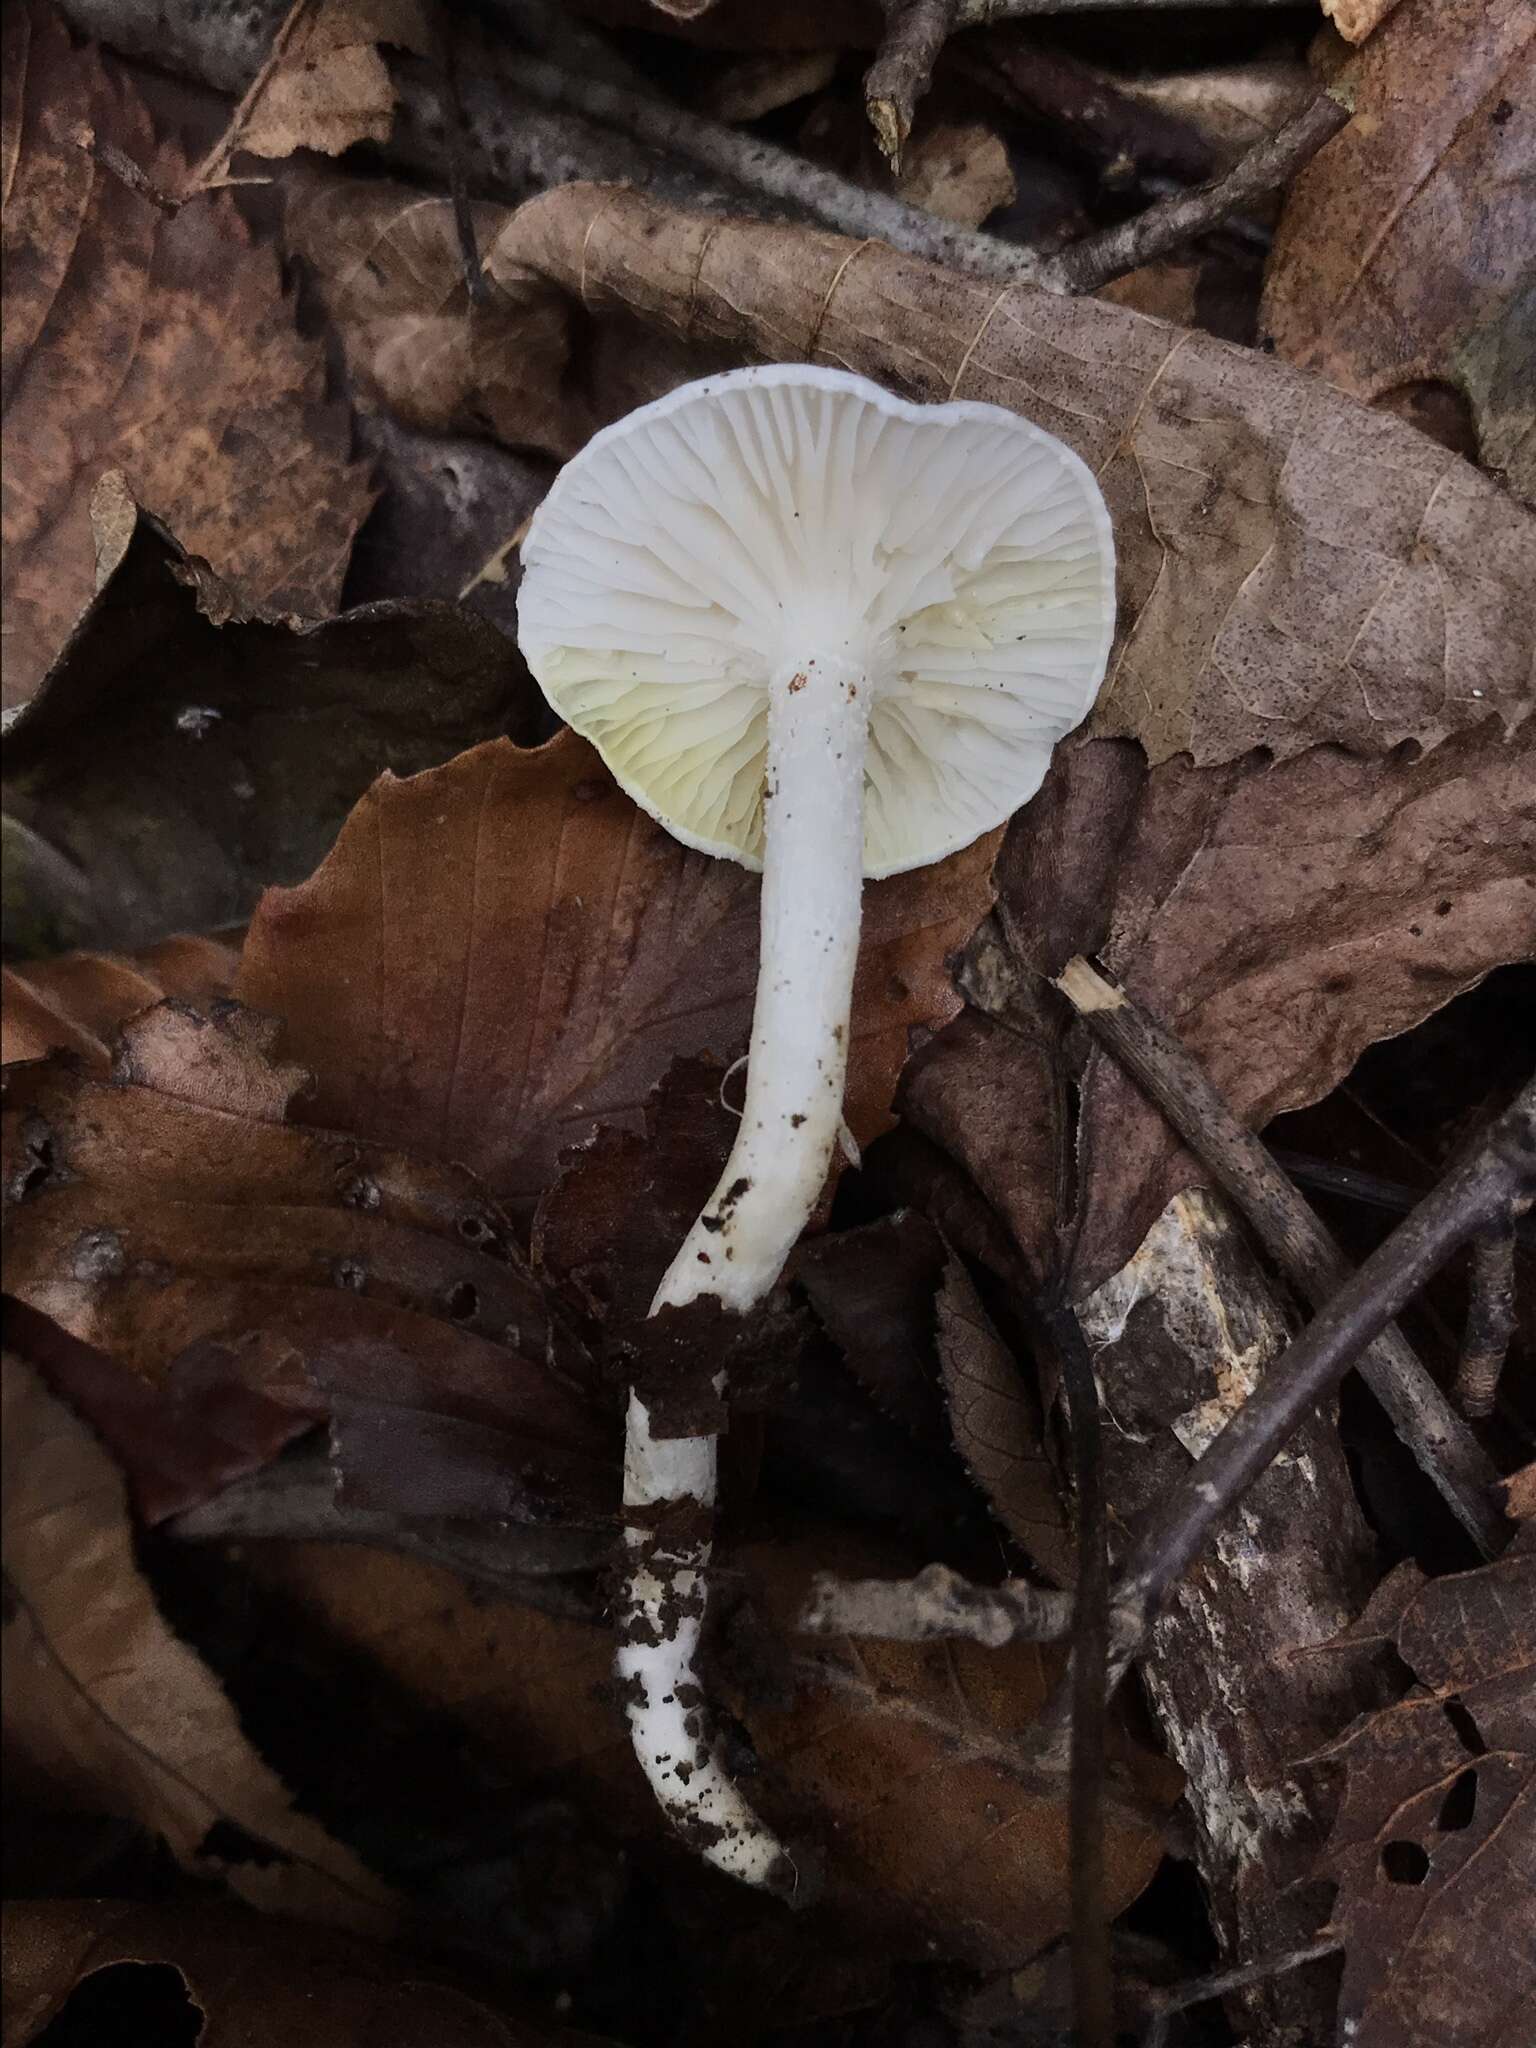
x,y
999,1429
329,86
160,345
1434,1848
106,1704
1293,567
262,1276
77,1002
1407,249
250,1981
904,1766
387,265
1355,19
958,170
503,955
182,753
874,1292
1280,920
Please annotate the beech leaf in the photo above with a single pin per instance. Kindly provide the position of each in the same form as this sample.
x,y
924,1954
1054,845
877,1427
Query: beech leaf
x,y
182,752
1407,248
503,955
1294,567
246,1979
1435,1838
262,1277
106,1704
906,1767
157,343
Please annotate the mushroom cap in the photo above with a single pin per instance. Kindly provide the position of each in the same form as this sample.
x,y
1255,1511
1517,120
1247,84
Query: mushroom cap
x,y
708,544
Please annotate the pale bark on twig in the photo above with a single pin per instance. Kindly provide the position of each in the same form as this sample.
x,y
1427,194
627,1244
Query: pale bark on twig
x,y
1294,1236
529,125
937,1603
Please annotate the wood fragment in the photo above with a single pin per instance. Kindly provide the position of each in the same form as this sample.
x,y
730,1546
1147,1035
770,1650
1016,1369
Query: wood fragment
x,y
1295,1237
1497,1175
937,1603
915,34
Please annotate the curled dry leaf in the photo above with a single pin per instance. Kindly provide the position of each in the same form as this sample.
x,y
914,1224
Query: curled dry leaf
x,y
1293,566
1405,248
183,752
904,1766
503,955
106,1705
247,1979
161,344
261,1277
1435,1839
1280,920
77,1002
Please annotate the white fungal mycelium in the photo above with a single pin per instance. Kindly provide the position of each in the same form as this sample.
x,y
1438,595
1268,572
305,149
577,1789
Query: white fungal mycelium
x,y
831,635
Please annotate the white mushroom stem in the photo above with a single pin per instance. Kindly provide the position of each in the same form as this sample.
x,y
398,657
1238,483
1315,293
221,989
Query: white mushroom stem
x,y
813,867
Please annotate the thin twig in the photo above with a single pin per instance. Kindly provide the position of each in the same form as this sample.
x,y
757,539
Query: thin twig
x,y
1092,1974
1294,1236
937,1603
1087,264
211,171
1490,1319
456,147
915,33
974,13
1499,1175
1237,1978
778,174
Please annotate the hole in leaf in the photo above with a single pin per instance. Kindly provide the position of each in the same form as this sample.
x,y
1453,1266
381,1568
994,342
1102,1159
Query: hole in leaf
x,y
123,2005
474,1229
1459,1804
462,1301
227,1842
1466,1729
1404,1863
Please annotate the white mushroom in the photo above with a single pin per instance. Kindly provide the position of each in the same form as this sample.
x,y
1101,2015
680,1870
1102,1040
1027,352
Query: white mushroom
x,y
830,635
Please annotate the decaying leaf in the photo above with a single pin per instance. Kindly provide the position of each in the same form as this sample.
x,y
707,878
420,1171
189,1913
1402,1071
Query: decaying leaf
x,y
903,1767
503,955
262,1276
246,1979
161,344
327,85
999,1429
183,752
77,1002
874,1292
1355,19
1435,1843
1294,567
1280,920
108,1706
1407,250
